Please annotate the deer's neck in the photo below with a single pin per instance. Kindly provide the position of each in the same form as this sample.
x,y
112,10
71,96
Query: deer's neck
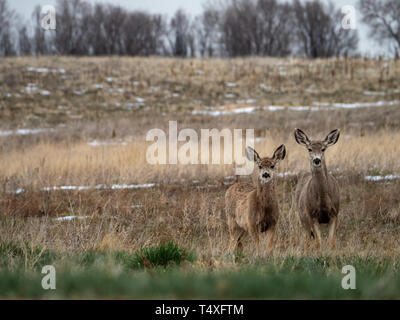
x,y
320,181
266,193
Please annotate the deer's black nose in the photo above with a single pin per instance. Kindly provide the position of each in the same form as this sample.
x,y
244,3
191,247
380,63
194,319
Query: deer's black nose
x,y
266,175
317,161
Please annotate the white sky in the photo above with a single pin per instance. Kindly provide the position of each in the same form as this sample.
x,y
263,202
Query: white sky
x,y
194,7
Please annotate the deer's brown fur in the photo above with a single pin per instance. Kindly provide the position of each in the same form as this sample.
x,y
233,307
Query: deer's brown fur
x,y
252,208
317,192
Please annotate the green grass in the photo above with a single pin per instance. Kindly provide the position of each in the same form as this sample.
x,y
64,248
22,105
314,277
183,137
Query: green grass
x,y
162,255
102,274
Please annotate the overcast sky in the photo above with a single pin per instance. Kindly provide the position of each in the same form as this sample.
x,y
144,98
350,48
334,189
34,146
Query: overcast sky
x,y
194,7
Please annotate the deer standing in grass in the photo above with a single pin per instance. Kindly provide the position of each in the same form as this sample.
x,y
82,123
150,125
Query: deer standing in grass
x,y
317,192
253,208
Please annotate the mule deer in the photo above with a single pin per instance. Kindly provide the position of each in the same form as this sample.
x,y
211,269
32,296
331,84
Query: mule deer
x,y
317,192
253,208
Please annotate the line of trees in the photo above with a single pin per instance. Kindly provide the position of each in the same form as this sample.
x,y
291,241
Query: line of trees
x,y
229,29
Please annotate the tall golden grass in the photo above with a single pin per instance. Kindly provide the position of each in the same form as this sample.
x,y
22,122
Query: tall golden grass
x,y
53,164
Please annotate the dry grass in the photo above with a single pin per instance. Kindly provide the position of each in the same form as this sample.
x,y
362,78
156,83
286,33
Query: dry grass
x,y
181,209
47,164
178,86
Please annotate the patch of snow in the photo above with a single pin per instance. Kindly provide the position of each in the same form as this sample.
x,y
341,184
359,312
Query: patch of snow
x,y
224,112
305,108
137,206
265,87
24,132
231,84
374,93
70,218
31,88
96,143
42,70
274,108
357,104
18,191
286,174
132,186
248,101
98,187
382,178
45,93
66,188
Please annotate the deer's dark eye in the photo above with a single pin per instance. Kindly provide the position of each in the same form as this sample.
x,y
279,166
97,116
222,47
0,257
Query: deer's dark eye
x,y
272,167
323,150
259,167
309,150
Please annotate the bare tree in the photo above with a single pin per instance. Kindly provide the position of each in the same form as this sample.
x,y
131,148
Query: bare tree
x,y
235,39
114,21
24,41
7,46
276,23
143,33
206,27
97,35
40,42
383,17
257,27
320,32
180,34
73,20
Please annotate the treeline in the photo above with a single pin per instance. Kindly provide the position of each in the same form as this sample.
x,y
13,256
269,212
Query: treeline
x,y
233,28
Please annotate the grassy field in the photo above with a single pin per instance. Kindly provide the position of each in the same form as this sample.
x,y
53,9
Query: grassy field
x,y
72,144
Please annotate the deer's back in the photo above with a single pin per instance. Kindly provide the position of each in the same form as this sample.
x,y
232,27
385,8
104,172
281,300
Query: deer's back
x,y
236,201
236,195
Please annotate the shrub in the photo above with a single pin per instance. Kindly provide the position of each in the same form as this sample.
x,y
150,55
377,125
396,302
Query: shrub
x,y
161,255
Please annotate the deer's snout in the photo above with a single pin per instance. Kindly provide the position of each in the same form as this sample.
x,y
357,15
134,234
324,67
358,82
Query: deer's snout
x,y
317,161
266,175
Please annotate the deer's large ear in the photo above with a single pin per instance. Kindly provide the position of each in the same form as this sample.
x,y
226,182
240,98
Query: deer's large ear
x,y
332,138
279,153
301,138
252,154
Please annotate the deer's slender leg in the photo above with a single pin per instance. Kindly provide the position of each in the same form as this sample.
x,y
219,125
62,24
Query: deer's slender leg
x,y
238,243
270,239
234,234
256,237
308,234
317,233
332,230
